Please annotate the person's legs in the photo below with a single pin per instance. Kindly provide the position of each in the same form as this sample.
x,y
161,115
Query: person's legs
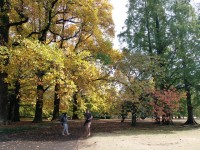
x,y
65,129
88,128
88,131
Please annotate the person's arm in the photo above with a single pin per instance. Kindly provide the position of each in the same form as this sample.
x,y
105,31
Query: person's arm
x,y
91,117
66,118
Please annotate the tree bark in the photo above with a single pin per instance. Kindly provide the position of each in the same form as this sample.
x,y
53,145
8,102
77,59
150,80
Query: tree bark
x,y
39,100
40,87
134,116
14,100
133,121
75,106
56,102
3,99
4,32
190,118
16,116
4,24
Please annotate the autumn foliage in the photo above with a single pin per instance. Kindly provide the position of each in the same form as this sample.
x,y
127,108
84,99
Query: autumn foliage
x,y
59,54
166,102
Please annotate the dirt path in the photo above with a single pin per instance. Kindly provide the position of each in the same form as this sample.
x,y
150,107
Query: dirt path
x,y
144,138
186,140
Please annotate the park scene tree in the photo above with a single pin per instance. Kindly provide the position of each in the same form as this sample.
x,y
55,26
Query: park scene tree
x,y
58,56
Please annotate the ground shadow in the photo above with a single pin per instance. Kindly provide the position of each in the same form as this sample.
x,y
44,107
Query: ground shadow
x,y
51,131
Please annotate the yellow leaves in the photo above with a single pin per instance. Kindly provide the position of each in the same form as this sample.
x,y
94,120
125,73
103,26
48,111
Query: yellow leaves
x,y
105,13
82,71
115,55
70,31
83,28
4,54
30,57
87,12
92,18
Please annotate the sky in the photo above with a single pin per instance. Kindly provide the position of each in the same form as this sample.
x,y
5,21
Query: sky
x,y
119,16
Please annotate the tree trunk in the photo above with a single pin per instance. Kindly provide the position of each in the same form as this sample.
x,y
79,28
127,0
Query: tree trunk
x,y
40,74
39,100
4,32
190,118
133,121
75,106
4,24
16,116
10,105
15,113
3,99
14,104
56,102
134,116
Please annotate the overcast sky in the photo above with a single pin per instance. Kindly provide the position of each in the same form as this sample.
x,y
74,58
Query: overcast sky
x,y
119,16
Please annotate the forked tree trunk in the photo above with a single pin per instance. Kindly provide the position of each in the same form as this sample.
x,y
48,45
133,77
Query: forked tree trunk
x,y
40,87
56,103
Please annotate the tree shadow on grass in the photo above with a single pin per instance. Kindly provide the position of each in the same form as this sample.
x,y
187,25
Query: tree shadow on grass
x,y
45,131
45,136
142,127
51,131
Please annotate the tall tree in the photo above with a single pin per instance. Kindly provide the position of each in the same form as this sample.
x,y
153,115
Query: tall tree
x,y
5,24
185,32
134,75
4,35
77,29
82,29
169,30
48,8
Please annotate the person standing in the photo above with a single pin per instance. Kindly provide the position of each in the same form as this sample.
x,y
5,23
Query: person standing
x,y
64,121
87,124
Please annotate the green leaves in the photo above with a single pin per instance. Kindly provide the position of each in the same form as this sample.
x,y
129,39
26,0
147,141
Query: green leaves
x,y
168,30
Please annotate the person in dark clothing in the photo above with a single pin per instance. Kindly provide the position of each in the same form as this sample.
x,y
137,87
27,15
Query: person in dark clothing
x,y
87,124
